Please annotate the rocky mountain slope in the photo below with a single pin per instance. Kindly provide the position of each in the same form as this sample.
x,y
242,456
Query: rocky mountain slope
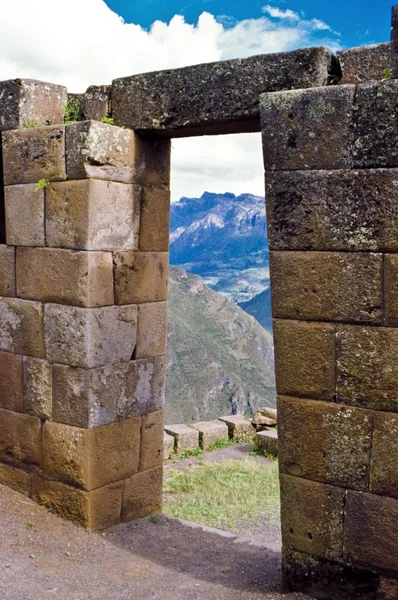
x,y
219,359
259,307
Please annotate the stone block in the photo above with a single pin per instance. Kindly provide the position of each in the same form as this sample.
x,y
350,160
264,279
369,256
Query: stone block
x,y
168,445
142,494
95,102
94,510
366,367
21,327
65,276
7,271
92,215
186,438
325,442
151,452
26,103
384,459
388,588
153,156
305,527
24,206
90,398
267,441
304,359
211,432
327,286
365,63
308,129
239,427
20,438
155,220
89,337
140,277
333,210
371,531
220,97
33,154
37,387
391,289
151,330
11,393
15,479
91,458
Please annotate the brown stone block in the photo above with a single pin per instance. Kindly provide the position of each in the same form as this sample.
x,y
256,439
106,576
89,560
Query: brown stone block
x,y
333,210
33,154
11,396
325,442
239,427
371,531
391,289
365,63
140,277
142,494
94,510
186,438
152,330
384,461
366,367
24,206
155,220
308,128
20,438
151,452
327,286
93,215
37,387
15,479
305,527
267,441
152,161
211,432
388,589
65,276
7,271
304,359
21,327
94,104
90,398
90,337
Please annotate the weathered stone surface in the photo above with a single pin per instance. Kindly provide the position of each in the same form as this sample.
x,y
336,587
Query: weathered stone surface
x,y
24,206
367,370
365,63
140,277
325,442
152,166
93,215
65,276
391,289
91,458
151,452
267,441
376,126
304,359
394,42
89,337
26,102
33,154
151,330
304,505
239,427
37,387
155,220
21,327
384,461
327,286
20,438
216,97
11,396
371,531
211,432
95,102
266,411
388,589
7,270
15,479
142,494
89,398
308,129
333,210
168,445
94,510
186,438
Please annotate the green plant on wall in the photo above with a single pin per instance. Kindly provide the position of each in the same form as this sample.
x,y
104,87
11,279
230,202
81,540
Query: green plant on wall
x,y
386,74
41,184
108,119
72,110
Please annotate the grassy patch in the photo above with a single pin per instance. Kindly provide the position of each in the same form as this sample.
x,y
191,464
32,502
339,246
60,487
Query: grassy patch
x,y
226,495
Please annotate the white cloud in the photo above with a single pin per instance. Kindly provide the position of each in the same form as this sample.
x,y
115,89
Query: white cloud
x,y
83,42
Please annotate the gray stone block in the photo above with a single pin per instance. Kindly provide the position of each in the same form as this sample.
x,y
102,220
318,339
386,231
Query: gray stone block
x,y
365,63
168,445
239,427
211,432
267,441
186,438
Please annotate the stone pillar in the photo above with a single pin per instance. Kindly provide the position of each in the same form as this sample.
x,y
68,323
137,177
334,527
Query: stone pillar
x,y
83,319
331,162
